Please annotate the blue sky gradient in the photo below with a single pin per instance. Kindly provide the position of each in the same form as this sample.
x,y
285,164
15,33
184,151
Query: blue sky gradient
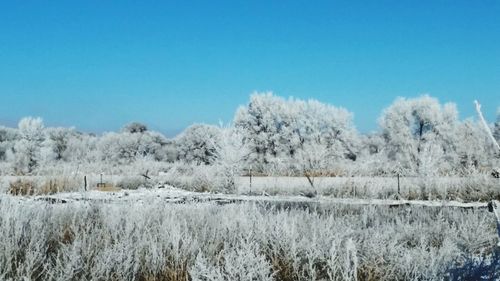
x,y
97,65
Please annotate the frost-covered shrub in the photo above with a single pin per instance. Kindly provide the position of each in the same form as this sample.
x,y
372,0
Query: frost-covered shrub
x,y
49,185
133,182
212,179
124,148
202,178
243,261
198,144
22,187
36,185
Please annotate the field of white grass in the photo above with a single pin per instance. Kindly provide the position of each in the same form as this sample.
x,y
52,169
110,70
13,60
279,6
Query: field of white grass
x,y
269,228
477,188
171,234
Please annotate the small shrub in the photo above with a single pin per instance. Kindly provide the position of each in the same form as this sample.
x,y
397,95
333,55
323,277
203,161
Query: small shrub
x,y
22,187
52,186
242,262
133,183
202,178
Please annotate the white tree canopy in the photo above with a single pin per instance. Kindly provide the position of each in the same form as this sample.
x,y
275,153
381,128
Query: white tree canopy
x,y
419,133
275,129
26,153
198,144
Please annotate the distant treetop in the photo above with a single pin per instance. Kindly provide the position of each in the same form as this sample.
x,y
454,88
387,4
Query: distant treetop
x,y
134,127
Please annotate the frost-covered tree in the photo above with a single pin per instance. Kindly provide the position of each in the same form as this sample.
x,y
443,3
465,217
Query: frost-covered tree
x,y
134,127
260,124
493,144
8,137
198,144
496,128
56,143
126,147
81,148
26,151
313,160
472,147
372,157
230,154
231,149
275,130
420,134
330,126
487,128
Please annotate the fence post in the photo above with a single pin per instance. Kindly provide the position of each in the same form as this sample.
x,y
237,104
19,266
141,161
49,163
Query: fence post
x,y
399,186
250,180
85,182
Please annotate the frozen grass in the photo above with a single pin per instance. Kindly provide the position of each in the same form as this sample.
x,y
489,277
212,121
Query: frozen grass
x,y
477,187
33,185
37,185
467,189
152,240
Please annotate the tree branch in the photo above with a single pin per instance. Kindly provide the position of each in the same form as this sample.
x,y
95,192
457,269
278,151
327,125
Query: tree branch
x,y
485,125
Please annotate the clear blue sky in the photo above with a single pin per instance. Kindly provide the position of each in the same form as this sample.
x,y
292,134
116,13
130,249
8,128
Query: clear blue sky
x,y
99,64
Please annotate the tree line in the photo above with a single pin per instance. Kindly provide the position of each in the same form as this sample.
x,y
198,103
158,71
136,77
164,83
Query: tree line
x,y
275,135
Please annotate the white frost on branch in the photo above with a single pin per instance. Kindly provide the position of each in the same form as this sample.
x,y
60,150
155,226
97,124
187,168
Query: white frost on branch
x,y
485,125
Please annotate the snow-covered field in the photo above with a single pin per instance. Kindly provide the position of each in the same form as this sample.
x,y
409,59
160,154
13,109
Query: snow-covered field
x,y
173,234
477,188
463,189
170,194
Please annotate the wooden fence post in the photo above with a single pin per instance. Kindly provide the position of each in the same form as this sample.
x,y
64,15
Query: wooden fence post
x,y
250,180
399,186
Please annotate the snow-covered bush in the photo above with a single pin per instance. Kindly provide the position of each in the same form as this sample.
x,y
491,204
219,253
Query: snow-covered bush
x,y
198,144
124,148
133,182
243,261
36,185
201,178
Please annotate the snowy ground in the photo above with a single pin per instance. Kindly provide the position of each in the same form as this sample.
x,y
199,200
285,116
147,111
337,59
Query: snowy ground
x,y
170,194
